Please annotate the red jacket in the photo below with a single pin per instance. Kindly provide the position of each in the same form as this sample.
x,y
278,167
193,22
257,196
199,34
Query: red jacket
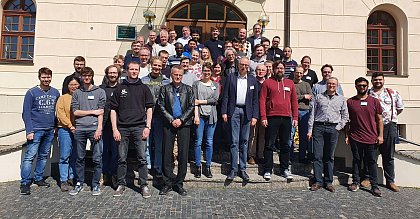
x,y
278,98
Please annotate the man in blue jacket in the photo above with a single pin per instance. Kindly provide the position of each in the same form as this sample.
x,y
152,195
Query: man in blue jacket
x,y
240,108
39,118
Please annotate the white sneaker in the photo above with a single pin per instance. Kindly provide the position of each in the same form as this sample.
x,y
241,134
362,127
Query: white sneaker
x,y
286,174
267,176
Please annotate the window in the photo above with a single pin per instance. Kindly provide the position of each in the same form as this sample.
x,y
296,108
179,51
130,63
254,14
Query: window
x,y
18,31
381,43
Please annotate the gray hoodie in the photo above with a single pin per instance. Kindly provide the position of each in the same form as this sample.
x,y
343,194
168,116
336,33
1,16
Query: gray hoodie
x,y
88,100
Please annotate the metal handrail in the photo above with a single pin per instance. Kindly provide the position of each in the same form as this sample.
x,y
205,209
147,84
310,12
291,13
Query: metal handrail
x,y
408,141
12,133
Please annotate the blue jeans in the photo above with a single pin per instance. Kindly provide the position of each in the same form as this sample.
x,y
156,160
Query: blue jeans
x,y
239,136
81,137
204,129
41,146
156,141
67,146
303,132
110,151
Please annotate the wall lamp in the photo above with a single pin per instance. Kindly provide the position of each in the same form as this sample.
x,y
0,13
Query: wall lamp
x,y
150,18
263,21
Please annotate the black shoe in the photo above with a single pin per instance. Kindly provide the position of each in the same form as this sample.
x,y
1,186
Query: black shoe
x,y
231,176
207,172
25,189
197,173
181,191
244,176
42,183
165,190
376,192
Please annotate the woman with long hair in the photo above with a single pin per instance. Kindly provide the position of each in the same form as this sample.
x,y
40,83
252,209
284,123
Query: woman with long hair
x,y
206,56
195,65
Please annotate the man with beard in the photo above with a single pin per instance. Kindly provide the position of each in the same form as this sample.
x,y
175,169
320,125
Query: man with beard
x,y
78,63
259,58
364,133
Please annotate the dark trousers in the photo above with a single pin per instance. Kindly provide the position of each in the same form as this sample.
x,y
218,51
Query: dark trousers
x,y
387,150
278,126
135,134
183,140
368,154
325,141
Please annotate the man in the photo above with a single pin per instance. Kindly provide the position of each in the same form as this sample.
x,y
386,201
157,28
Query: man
x,y
140,39
279,112
266,44
289,62
185,36
162,27
176,59
195,36
214,44
135,54
166,69
243,40
78,63
192,45
144,62
88,105
275,53
259,58
256,36
110,148
328,116
151,41
176,104
39,117
131,116
231,64
392,105
188,77
321,86
172,37
163,45
364,133
240,109
154,81
269,65
256,136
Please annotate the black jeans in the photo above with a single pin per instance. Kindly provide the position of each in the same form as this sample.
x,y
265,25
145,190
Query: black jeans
x,y
183,140
135,134
280,126
387,150
368,154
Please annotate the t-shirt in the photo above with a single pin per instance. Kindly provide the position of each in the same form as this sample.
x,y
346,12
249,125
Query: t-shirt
x,y
363,123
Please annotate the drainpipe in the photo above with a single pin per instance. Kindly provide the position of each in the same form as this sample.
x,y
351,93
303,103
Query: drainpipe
x,y
287,22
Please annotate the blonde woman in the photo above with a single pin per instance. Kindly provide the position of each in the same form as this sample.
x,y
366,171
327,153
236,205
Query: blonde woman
x,y
206,56
195,65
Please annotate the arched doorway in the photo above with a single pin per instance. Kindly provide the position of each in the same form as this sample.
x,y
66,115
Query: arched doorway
x,y
201,15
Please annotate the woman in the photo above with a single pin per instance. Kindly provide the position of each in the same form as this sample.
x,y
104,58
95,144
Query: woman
x,y
206,56
206,94
66,142
195,66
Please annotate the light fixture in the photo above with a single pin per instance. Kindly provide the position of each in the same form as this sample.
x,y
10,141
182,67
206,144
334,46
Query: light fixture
x,y
263,21
150,18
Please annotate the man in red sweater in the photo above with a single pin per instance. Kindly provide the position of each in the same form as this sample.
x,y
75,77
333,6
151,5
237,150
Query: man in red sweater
x,y
279,111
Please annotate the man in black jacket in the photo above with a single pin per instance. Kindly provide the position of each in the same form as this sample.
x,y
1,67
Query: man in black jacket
x,y
176,104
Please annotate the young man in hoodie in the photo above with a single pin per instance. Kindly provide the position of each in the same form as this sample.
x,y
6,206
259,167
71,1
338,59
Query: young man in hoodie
x,y
131,117
278,107
88,105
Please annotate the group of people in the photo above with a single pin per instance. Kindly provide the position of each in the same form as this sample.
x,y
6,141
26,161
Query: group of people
x,y
169,95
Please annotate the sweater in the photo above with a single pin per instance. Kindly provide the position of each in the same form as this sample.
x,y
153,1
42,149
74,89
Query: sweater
x,y
65,116
278,98
86,100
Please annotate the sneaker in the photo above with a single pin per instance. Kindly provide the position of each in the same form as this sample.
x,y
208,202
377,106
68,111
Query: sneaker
x,y
77,188
120,190
393,187
25,189
42,183
376,192
365,183
96,190
286,174
64,186
353,187
267,176
145,191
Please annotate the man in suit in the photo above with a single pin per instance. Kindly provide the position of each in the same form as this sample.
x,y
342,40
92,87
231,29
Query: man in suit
x,y
240,108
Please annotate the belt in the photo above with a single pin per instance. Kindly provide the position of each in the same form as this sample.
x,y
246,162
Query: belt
x,y
326,123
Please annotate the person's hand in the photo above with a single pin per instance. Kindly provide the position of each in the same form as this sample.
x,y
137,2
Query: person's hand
x,y
146,132
380,140
308,96
30,136
97,135
253,121
116,134
98,112
73,129
264,123
197,120
225,117
347,140
176,123
294,123
309,136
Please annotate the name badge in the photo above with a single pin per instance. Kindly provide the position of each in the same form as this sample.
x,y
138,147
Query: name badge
x,y
199,49
308,77
278,55
218,45
177,94
213,87
251,87
292,69
91,97
122,78
287,89
363,103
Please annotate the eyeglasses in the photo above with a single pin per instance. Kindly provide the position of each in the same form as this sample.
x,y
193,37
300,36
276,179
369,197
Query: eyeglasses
x,y
361,85
243,64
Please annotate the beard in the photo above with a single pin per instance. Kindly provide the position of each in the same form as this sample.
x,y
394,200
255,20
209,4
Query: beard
x,y
362,92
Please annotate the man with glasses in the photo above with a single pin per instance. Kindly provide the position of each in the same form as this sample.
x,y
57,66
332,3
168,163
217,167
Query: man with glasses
x,y
321,86
275,53
256,36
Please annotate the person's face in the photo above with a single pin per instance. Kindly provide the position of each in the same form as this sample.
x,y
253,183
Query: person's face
x,y
179,49
298,73
279,70
261,71
217,70
257,30
78,66
243,66
266,46
206,73
87,78
144,56
242,34
73,86
172,34
195,56
176,76
185,32
195,36
235,45
112,74
228,45
133,71
163,38
135,47
45,79
192,45
215,33
185,64
332,85
156,67
152,37
164,58
378,82
362,88
269,68
287,52
306,63
140,40
326,73
230,56
276,42
119,62
259,51
205,54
